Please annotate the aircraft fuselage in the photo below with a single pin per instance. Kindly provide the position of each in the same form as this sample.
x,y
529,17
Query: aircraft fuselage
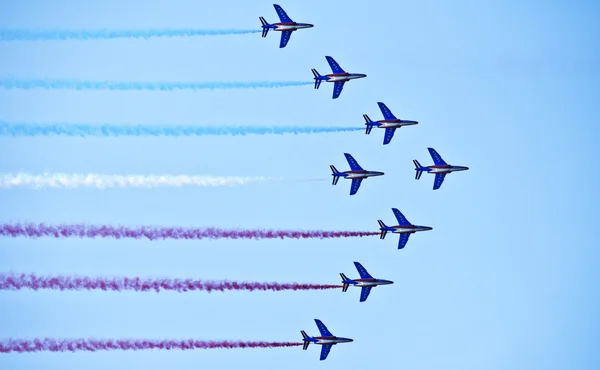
x,y
395,123
332,340
408,229
371,282
343,77
445,169
290,26
361,174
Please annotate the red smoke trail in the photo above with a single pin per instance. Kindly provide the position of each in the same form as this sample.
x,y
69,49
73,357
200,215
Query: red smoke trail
x,y
23,281
152,233
76,345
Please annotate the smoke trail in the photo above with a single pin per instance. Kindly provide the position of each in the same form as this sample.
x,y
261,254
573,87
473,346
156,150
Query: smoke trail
x,y
9,83
31,281
67,129
44,35
154,233
93,345
102,181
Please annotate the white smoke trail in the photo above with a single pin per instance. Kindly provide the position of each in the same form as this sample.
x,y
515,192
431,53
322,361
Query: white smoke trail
x,y
102,181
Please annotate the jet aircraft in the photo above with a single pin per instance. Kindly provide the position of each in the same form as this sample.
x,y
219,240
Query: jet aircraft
x,y
404,228
356,174
326,339
366,282
286,26
440,168
339,77
390,123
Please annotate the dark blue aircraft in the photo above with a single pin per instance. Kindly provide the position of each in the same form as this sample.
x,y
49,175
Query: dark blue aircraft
x,y
326,339
366,282
440,168
404,228
286,26
339,77
356,174
390,123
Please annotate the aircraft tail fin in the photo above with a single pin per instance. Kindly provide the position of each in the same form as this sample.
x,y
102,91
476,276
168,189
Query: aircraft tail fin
x,y
306,342
317,78
368,123
265,26
345,284
418,169
336,175
384,231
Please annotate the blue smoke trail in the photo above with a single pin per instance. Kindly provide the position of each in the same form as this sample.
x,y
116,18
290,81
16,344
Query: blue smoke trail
x,y
82,130
41,35
9,83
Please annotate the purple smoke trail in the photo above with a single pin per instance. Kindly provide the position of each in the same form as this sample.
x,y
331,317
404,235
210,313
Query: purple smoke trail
x,y
23,281
152,233
93,345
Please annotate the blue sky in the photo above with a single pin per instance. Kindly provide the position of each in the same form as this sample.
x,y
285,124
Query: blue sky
x,y
506,278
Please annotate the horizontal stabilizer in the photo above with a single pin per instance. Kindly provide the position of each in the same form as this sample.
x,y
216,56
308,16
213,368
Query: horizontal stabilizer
x,y
368,123
317,78
336,176
382,228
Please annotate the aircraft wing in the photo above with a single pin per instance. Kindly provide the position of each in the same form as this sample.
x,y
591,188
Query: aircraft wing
x,y
439,179
323,329
403,240
283,17
389,134
355,186
335,67
337,89
354,166
285,37
402,221
364,293
387,113
362,271
437,159
325,348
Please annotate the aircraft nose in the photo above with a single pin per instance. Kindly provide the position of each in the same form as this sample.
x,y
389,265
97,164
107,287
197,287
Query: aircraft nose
x,y
310,25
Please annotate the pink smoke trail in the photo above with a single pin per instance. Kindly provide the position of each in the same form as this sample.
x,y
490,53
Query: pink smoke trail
x,y
152,233
31,281
93,345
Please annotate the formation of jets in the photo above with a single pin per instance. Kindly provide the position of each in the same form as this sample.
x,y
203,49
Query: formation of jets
x,y
357,174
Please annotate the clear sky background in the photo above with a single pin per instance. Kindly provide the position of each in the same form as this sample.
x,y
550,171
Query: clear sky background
x,y
507,278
